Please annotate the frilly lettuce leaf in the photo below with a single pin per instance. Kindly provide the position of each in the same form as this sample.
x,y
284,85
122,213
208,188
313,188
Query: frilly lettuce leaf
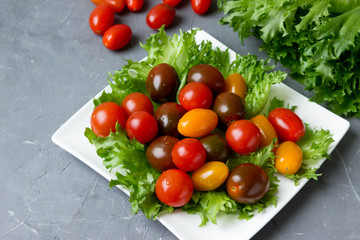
x,y
318,40
137,176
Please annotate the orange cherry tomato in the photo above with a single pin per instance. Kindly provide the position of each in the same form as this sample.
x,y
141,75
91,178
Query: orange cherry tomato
x,y
197,122
288,158
235,83
116,5
210,176
117,36
267,131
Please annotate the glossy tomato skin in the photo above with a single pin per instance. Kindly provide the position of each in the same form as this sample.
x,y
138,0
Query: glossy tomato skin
x,y
161,14
104,118
116,5
134,5
162,83
142,126
210,176
117,36
243,136
235,83
229,107
101,18
200,6
159,151
195,95
172,3
268,133
216,148
167,117
188,154
289,157
208,75
193,123
287,124
247,183
174,188
136,102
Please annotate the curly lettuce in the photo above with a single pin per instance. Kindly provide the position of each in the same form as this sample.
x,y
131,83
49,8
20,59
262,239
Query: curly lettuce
x,y
318,40
137,176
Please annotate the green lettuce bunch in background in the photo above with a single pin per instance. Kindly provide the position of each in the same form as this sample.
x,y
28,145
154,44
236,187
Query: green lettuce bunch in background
x,y
318,40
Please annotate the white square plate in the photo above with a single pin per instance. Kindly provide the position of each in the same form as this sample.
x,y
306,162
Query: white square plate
x,y
70,136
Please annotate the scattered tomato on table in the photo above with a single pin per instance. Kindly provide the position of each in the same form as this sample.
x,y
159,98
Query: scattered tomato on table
x,y
134,5
161,14
101,18
117,36
116,5
200,6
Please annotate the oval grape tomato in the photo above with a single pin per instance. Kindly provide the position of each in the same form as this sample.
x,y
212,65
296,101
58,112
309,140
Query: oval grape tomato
x,y
288,158
101,18
117,36
287,124
210,176
161,14
197,122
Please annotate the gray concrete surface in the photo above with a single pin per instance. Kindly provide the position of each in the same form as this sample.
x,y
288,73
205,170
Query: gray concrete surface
x,y
51,64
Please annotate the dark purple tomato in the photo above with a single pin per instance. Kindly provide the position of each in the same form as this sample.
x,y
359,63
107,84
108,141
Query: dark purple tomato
x,y
229,107
208,75
247,183
159,151
167,117
216,148
162,83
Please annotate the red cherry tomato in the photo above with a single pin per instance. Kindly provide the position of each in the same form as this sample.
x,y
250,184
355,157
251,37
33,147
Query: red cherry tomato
x,y
134,5
243,136
172,3
174,188
287,124
142,126
116,5
161,14
104,118
137,102
200,6
188,154
195,95
101,18
117,36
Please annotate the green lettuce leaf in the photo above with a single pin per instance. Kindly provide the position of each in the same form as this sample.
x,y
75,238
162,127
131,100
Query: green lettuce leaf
x,y
318,40
128,157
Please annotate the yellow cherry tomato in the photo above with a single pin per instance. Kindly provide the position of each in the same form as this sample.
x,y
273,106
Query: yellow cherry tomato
x,y
235,83
288,158
197,122
210,176
267,131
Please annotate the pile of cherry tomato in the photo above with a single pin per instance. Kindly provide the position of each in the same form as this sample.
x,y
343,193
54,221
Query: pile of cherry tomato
x,y
181,141
117,36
